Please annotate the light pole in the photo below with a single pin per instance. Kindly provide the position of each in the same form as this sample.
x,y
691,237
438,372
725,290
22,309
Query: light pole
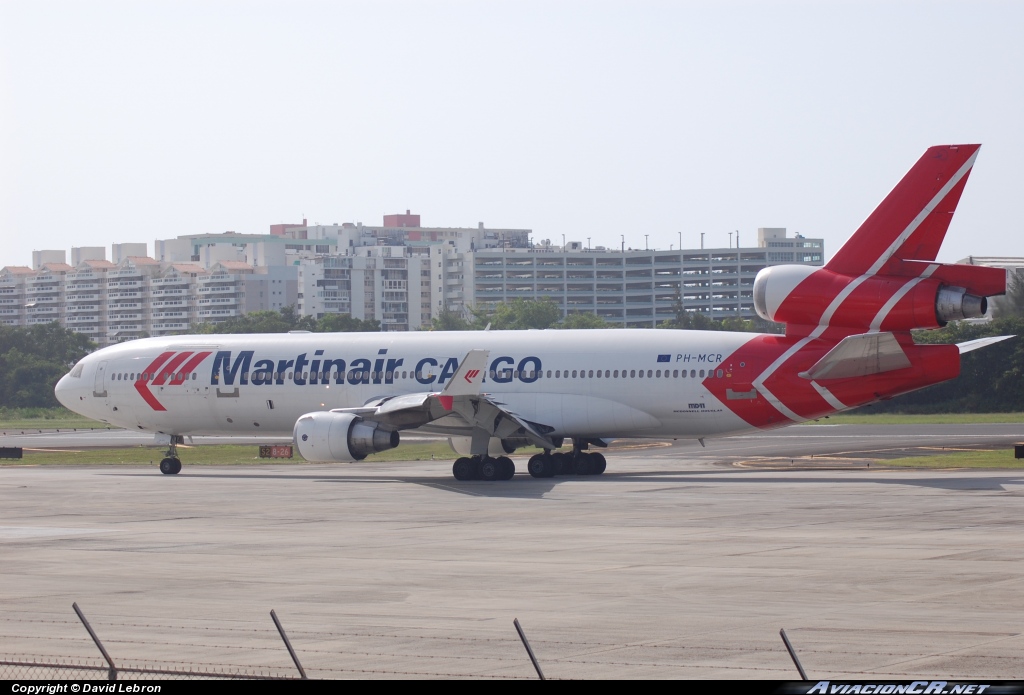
x,y
730,239
737,238
563,242
702,240
623,243
680,241
588,243
645,242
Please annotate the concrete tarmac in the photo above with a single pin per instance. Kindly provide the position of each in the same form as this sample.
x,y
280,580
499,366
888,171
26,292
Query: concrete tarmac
x,y
680,561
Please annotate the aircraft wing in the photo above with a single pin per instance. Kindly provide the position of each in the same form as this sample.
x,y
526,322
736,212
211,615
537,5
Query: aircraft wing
x,y
860,355
461,396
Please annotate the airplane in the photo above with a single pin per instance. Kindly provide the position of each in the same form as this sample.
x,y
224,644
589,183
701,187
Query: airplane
x,y
343,396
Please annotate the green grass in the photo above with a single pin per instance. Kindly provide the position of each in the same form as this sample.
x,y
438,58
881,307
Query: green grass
x,y
1000,458
17,419
212,455
908,419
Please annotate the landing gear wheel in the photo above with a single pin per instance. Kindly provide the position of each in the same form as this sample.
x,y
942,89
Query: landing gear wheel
x,y
464,469
508,469
560,464
599,463
170,465
583,464
541,466
491,469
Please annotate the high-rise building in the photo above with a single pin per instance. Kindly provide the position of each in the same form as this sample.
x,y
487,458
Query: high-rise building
x,y
401,274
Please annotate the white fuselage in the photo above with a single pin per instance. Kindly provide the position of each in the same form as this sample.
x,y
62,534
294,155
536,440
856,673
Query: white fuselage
x,y
600,383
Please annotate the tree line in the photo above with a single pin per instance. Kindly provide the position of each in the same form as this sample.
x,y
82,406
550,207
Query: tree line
x,y
32,361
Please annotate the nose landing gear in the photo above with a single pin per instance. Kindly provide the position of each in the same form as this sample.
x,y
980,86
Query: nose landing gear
x,y
170,464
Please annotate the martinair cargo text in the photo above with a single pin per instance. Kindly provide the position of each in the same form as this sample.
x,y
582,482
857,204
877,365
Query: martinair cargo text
x,y
344,396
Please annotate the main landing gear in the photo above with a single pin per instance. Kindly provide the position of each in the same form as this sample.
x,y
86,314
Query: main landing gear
x,y
170,464
576,462
483,468
546,465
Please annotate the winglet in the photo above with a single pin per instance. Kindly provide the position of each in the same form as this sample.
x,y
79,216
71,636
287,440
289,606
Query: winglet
x,y
468,378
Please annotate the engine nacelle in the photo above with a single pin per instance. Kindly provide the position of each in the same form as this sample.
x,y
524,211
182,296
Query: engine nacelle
x,y
955,303
896,303
495,447
325,437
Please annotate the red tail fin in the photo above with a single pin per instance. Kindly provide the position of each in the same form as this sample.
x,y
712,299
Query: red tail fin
x,y
911,222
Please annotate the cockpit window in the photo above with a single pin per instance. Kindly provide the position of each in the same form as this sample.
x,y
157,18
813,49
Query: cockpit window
x,y
76,372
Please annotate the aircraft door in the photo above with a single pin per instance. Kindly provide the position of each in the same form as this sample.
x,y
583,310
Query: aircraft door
x,y
99,386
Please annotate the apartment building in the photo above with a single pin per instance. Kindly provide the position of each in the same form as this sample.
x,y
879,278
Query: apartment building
x,y
631,288
401,274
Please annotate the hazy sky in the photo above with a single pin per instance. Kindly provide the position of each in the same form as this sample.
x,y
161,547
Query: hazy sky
x,y
132,121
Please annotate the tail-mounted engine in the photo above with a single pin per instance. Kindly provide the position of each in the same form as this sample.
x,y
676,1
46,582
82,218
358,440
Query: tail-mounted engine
x,y
928,296
326,437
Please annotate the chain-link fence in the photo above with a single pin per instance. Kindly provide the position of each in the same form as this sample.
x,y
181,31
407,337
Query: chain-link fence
x,y
33,667
58,669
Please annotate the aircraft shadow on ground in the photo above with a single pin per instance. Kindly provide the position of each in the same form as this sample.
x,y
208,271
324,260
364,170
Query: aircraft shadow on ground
x,y
525,487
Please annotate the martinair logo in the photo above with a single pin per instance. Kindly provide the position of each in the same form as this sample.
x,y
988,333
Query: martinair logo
x,y
169,369
471,374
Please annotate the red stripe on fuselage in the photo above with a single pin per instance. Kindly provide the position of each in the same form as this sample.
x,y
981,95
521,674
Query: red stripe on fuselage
x,y
142,385
193,363
167,372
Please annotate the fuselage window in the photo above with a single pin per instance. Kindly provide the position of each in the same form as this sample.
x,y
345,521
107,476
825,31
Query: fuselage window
x,y
616,374
632,373
598,373
658,374
132,377
549,374
607,374
693,373
675,373
389,376
420,374
574,374
702,374
719,373
649,373
591,374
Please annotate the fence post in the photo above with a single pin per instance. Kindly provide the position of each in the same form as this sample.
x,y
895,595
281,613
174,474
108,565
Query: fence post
x,y
792,654
287,643
526,643
112,674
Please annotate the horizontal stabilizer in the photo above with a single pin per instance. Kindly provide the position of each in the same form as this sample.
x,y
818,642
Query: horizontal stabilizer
x,y
981,342
860,355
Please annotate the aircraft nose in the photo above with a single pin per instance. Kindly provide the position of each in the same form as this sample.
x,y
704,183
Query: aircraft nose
x,y
63,391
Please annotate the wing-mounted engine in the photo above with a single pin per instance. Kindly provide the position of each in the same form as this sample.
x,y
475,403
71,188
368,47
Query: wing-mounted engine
x,y
328,437
918,295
